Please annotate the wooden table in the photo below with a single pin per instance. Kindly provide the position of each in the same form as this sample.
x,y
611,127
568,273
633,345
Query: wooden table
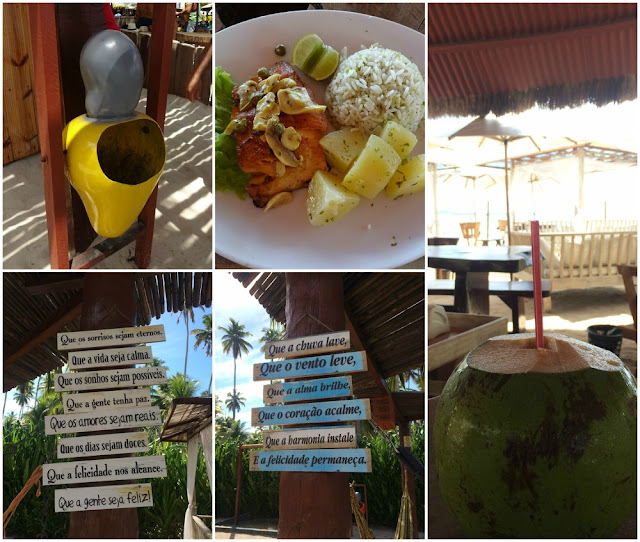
x,y
472,266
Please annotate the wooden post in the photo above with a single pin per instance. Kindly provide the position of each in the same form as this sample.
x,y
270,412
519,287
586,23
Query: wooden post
x,y
314,505
109,302
157,89
405,431
44,40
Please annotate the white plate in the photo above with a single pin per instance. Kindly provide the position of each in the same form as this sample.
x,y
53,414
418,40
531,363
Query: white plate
x,y
379,233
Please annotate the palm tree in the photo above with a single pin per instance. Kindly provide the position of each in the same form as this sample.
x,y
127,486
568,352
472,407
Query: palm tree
x,y
233,341
186,314
24,392
48,403
177,386
275,332
234,402
203,337
227,428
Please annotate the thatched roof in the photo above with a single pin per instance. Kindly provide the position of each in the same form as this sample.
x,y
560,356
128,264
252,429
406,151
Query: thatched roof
x,y
385,316
187,416
504,58
39,305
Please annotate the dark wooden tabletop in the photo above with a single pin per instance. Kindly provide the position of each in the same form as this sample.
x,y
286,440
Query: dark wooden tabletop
x,y
460,258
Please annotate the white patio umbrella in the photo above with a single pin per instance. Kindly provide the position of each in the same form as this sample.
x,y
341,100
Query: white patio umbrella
x,y
488,136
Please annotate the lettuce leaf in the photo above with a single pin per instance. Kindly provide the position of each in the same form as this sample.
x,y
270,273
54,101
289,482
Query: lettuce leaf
x,y
229,177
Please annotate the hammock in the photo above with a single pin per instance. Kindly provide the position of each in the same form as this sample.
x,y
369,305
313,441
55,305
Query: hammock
x,y
404,529
33,479
363,528
403,454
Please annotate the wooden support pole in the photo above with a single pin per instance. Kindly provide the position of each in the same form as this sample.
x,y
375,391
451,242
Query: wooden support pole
x,y
109,302
44,40
314,505
157,89
405,431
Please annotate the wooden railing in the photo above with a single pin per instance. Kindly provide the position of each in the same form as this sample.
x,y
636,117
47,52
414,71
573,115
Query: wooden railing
x,y
582,260
570,226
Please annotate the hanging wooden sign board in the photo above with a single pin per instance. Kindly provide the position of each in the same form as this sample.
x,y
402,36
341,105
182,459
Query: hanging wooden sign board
x,y
358,460
95,338
93,401
112,444
110,357
85,422
308,413
102,498
313,344
301,439
347,362
322,388
118,378
101,470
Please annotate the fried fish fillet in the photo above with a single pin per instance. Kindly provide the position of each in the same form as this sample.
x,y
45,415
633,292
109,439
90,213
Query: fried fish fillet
x,y
256,157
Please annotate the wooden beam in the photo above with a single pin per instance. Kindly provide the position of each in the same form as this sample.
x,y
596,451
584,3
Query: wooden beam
x,y
44,283
107,247
65,314
157,90
44,39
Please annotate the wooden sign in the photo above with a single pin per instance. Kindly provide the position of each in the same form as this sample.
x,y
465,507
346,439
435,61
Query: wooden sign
x,y
111,357
358,460
322,437
102,498
85,422
113,444
313,344
122,336
383,412
90,402
307,413
100,470
323,388
347,362
118,378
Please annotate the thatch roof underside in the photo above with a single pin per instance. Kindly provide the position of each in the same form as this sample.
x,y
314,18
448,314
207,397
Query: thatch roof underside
x,y
187,416
39,305
505,58
385,316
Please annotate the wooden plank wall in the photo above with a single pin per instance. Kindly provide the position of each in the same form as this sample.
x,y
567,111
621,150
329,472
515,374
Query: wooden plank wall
x,y
184,58
19,119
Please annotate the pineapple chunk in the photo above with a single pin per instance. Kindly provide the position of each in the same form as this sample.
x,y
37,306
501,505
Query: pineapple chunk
x,y
342,147
327,200
401,139
373,168
408,179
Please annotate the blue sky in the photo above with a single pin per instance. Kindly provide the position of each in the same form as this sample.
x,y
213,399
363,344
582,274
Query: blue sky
x,y
232,300
172,351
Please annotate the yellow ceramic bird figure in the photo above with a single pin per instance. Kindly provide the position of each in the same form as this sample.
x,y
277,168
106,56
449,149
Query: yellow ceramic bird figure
x,y
113,155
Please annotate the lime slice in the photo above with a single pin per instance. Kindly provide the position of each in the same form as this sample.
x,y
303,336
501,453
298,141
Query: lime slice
x,y
307,51
326,65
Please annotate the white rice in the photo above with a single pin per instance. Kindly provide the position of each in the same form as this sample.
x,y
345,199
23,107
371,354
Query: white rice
x,y
373,86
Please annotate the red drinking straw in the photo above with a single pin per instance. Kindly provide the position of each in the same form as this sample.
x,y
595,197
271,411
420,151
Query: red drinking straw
x,y
537,282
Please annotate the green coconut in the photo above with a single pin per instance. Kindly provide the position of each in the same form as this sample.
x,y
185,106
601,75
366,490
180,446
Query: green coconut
x,y
538,443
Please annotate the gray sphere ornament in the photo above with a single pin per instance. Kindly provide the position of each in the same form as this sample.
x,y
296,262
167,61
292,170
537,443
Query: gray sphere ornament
x,y
113,75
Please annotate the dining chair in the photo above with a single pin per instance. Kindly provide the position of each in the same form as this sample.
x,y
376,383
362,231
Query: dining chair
x,y
628,272
470,231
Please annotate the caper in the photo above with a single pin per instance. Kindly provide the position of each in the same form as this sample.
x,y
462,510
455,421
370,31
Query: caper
x,y
263,73
241,126
255,98
280,49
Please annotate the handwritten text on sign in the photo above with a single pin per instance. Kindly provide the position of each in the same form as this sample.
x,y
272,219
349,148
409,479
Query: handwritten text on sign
x,y
102,498
300,439
100,421
348,362
358,460
100,470
322,388
77,340
326,411
112,444
118,378
313,344
111,357
90,402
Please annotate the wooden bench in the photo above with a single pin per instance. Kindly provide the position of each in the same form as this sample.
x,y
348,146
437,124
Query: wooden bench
x,y
512,293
